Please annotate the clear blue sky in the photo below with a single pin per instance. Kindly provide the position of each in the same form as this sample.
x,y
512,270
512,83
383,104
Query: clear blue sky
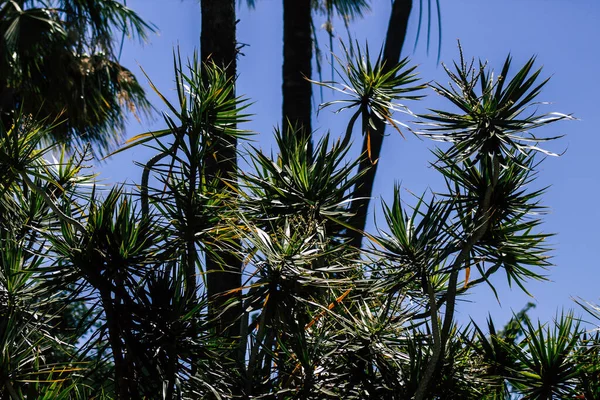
x,y
562,33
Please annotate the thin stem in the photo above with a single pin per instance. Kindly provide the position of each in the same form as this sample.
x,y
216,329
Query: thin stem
x,y
254,353
482,220
146,175
11,390
115,344
61,215
437,344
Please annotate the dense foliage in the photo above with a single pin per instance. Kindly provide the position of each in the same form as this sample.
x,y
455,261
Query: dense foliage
x,y
59,62
103,291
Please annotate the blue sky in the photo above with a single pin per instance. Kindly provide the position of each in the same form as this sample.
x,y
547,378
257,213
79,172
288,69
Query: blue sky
x,y
561,34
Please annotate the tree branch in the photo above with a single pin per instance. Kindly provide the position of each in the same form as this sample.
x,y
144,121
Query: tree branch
x,y
482,221
61,215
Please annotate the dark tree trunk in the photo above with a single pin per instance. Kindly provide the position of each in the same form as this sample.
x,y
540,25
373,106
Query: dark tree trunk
x,y
396,33
217,39
218,44
297,59
122,381
8,101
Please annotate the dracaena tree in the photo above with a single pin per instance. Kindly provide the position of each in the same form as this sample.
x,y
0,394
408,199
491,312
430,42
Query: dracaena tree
x,y
318,316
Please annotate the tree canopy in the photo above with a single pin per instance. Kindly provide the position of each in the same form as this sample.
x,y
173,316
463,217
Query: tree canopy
x,y
204,280
60,63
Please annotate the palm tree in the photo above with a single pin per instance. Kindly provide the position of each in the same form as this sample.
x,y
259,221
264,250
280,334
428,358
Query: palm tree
x,y
59,64
297,65
373,141
298,46
318,317
218,45
298,27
